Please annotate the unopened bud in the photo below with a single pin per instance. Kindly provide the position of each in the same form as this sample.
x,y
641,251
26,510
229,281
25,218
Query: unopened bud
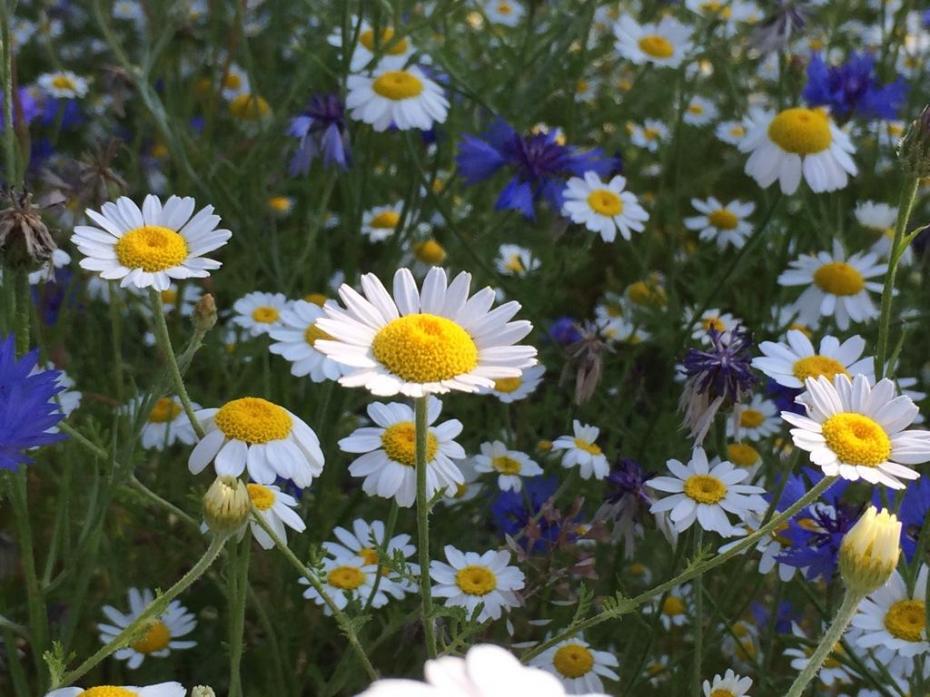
x,y
870,550
914,150
205,314
202,691
226,505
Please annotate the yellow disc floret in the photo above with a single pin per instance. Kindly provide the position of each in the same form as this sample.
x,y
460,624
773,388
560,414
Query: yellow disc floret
x,y
156,638
723,219
573,660
476,580
262,497
656,46
507,385
673,605
857,439
430,252
742,454
400,443
839,278
151,248
751,418
367,39
425,348
705,488
397,85
505,464
815,366
801,131
591,448
165,410
253,420
249,107
386,220
605,202
722,692
265,314
907,620
108,691
345,578
313,333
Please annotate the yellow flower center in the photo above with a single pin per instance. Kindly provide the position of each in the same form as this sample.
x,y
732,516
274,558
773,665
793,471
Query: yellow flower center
x,y
573,660
592,448
156,638
398,85
317,299
165,410
385,221
817,365
346,578
63,82
716,7
430,252
505,464
856,439
476,580
515,264
723,219
650,133
742,454
313,333
638,569
262,497
605,202
751,418
169,297
232,81
507,385
801,131
253,420
369,555
151,248
722,692
704,488
265,314
673,606
906,620
737,131
504,8
425,348
108,691
656,46
839,278
249,107
367,39
646,293
400,443
695,108
714,323
279,204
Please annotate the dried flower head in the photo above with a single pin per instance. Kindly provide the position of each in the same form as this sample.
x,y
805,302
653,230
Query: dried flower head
x,y
914,150
586,356
25,241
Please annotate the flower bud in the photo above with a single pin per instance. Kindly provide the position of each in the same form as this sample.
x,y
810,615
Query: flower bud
x,y
202,691
205,313
226,505
914,150
870,550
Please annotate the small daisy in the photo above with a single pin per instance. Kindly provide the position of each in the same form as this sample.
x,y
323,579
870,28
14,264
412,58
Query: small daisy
x,y
511,465
664,43
514,260
603,207
581,450
255,433
507,13
388,460
366,541
711,319
347,579
838,286
401,97
234,83
832,672
380,222
700,111
468,489
725,224
859,431
578,666
259,312
657,669
60,259
184,301
149,247
165,424
674,609
162,689
745,456
731,132
730,685
791,363
740,643
277,510
68,400
754,421
510,390
160,637
706,491
295,336
648,136
471,579
63,85
386,45
879,219
798,142
429,341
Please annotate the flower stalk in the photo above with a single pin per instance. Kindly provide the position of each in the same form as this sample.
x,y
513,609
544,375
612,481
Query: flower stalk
x,y
422,431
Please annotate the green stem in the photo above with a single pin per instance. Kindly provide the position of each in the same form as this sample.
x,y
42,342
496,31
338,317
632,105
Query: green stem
x,y
17,674
698,618
834,633
23,309
237,580
9,137
422,431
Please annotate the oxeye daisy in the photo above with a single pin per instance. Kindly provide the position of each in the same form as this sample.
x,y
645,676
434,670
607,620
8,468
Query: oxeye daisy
x,y
365,541
603,207
507,13
151,246
161,635
581,451
510,390
380,222
791,363
471,579
514,260
731,132
879,220
665,43
674,608
295,336
393,96
428,341
730,685
700,111
388,460
712,321
578,666
859,431
386,44
706,491
255,433
796,142
838,286
754,421
277,509
348,579
259,312
724,224
649,136
165,424
510,465
63,84
162,689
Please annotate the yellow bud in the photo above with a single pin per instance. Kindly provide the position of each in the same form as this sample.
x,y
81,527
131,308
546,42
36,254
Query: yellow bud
x,y
226,505
870,550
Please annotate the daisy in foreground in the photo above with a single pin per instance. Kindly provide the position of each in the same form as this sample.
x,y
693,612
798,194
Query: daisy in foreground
x,y
471,579
149,247
730,685
510,465
162,689
578,666
420,342
161,636
402,97
791,363
859,431
581,450
486,671
603,207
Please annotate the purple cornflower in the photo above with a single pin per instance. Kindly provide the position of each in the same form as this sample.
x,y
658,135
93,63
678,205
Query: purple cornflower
x,y
513,512
627,502
565,331
851,89
540,165
322,131
25,102
776,31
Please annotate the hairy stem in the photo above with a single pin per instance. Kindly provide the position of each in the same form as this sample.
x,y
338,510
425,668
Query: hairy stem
x,y
422,431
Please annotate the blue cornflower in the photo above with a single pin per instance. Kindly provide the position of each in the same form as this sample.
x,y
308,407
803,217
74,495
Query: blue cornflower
x,y
63,113
627,479
27,406
784,397
851,89
785,615
513,511
322,131
24,105
564,331
540,165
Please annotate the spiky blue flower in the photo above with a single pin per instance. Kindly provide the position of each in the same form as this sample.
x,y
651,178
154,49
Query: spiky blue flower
x,y
851,89
513,512
321,131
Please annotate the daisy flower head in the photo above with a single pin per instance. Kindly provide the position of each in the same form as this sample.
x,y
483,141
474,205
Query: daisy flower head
x,y
665,43
578,666
729,685
510,390
712,322
857,430
514,260
796,142
510,465
838,286
792,362
165,424
390,48
277,509
259,312
365,542
582,451
507,13
754,421
731,132
706,491
149,247
395,96
879,220
162,689
254,433
388,452
425,341
471,579
603,207
725,224
63,85
161,636
649,136
380,222
833,670
674,608
346,579
295,336
700,111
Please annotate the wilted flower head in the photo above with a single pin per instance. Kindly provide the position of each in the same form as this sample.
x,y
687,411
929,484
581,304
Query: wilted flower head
x,y
627,501
25,242
914,150
586,357
776,31
322,131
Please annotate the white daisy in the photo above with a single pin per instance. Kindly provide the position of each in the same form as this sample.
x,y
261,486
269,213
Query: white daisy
x,y
295,336
63,84
603,207
711,319
347,579
149,247
392,96
706,491
471,579
730,685
160,637
511,465
259,312
725,224
664,43
380,222
798,141
277,510
162,689
255,433
833,671
507,13
184,301
740,642
856,430
366,542
838,286
388,462
165,424
234,83
578,666
468,489
581,450
700,111
428,341
754,421
791,363
879,219
389,48
514,260
731,132
648,136
59,259
68,400
510,390
674,608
